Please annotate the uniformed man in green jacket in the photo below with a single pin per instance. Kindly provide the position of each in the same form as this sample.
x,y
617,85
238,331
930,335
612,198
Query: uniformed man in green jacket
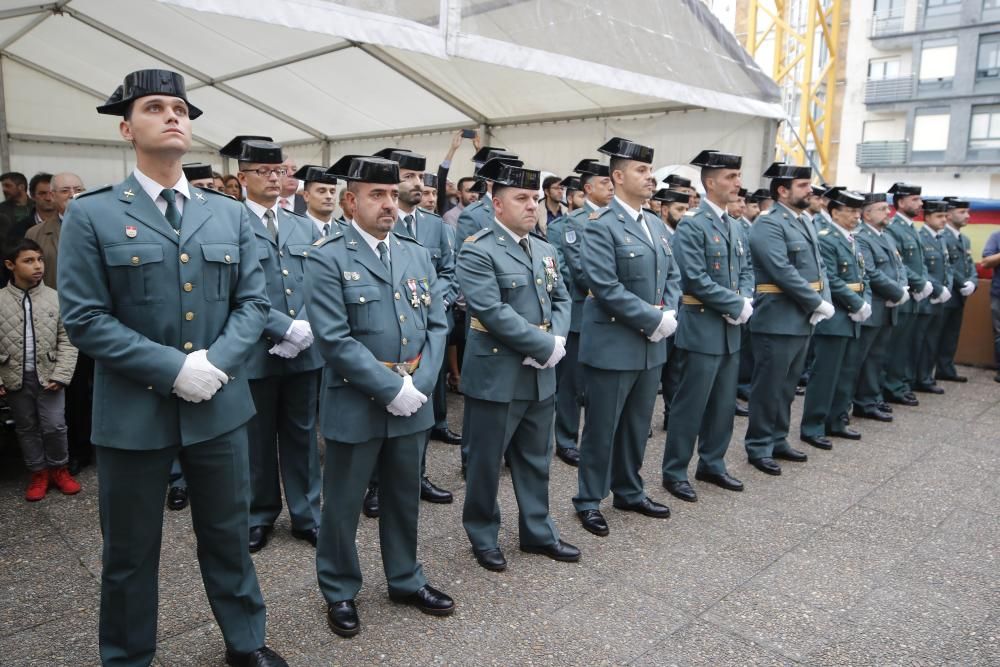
x,y
963,269
717,285
674,206
480,214
630,273
930,317
159,283
831,387
377,313
518,320
791,297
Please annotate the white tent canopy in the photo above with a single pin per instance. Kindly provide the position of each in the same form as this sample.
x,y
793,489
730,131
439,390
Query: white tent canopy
x,y
550,79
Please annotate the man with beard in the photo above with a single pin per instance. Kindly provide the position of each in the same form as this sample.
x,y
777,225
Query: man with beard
x,y
930,317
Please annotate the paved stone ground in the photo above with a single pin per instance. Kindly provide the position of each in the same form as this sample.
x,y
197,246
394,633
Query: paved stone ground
x,y
881,552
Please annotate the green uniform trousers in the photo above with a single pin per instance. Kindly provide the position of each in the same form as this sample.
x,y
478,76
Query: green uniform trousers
x,y
705,402
521,430
669,377
873,348
900,363
619,409
131,493
569,394
283,438
929,344
346,471
951,328
829,378
779,360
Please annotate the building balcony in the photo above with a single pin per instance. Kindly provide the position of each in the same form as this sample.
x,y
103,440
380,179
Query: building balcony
x,y
881,153
885,24
896,89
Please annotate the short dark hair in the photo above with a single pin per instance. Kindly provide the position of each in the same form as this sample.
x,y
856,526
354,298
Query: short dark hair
x,y
550,181
36,180
616,164
896,198
217,175
16,176
778,183
706,173
464,179
16,248
497,189
832,205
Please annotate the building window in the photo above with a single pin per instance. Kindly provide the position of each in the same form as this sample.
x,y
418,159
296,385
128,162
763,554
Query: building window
x,y
942,7
930,134
937,64
988,63
984,133
883,68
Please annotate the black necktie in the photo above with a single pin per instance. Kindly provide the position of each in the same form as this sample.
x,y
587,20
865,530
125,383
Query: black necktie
x,y
383,253
525,246
172,214
326,229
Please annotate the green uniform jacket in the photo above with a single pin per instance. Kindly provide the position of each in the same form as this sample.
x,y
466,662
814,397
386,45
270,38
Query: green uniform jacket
x,y
284,265
513,296
714,265
885,273
476,216
630,278
938,269
127,283
785,251
844,265
963,267
433,234
912,251
565,235
363,315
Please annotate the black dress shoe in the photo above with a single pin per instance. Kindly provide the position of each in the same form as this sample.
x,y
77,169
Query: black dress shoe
x,y
884,407
559,550
370,505
766,465
872,413
569,455
177,498
681,489
258,538
666,422
928,389
428,600
309,535
76,464
800,391
742,410
996,378
791,455
722,480
446,435
434,494
491,559
846,433
594,522
343,618
645,507
262,657
817,441
952,378
905,399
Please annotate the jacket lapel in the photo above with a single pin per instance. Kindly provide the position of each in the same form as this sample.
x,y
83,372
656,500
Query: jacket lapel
x,y
140,207
366,255
631,226
286,226
400,263
510,245
196,214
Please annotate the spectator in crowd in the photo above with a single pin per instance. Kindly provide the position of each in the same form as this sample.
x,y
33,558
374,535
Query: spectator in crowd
x,y
346,207
218,183
451,194
40,189
232,187
466,197
444,196
290,199
16,205
39,365
553,190
46,233
65,186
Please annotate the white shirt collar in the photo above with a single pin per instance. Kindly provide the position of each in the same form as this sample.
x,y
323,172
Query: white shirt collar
x,y
153,189
905,218
371,240
591,205
848,235
514,236
873,228
956,232
259,210
634,214
319,223
715,209
402,214
789,209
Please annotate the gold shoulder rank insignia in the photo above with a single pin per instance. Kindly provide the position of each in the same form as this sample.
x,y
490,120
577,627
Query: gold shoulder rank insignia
x,y
593,216
471,239
824,232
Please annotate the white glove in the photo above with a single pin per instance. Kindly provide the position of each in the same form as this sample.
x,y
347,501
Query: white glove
x,y
285,350
968,287
666,328
925,292
199,379
558,352
942,296
529,361
299,334
407,401
906,297
823,312
862,314
744,314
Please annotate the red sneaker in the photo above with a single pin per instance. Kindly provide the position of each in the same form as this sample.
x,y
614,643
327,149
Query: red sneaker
x,y
61,478
38,486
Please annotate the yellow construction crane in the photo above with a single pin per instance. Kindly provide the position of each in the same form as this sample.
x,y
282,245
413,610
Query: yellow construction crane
x,y
805,39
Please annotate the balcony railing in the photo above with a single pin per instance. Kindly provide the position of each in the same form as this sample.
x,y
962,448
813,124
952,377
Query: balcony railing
x,y
889,90
887,23
881,153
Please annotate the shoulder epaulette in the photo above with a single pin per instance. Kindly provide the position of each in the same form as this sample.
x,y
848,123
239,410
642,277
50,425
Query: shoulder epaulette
x,y
428,212
319,243
824,232
103,188
537,235
404,237
480,234
216,192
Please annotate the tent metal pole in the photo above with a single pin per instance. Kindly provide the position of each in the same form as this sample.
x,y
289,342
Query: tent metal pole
x,y
4,139
326,154
273,64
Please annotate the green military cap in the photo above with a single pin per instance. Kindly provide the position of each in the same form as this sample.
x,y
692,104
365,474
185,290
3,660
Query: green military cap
x,y
366,169
668,196
511,174
143,83
626,149
787,172
194,171
311,173
407,159
904,189
713,159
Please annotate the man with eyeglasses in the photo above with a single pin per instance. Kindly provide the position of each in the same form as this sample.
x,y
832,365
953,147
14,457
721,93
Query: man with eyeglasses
x,y
283,367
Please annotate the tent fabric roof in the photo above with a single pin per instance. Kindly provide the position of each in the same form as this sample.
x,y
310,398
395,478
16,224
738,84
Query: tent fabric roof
x,y
338,70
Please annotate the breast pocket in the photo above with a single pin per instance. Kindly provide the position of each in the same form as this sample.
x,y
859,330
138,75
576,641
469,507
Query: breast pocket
x,y
135,271
796,253
221,267
510,283
716,255
299,254
363,304
630,260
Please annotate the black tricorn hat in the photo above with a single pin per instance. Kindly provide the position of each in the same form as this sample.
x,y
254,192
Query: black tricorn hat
x,y
366,169
478,186
507,173
668,196
194,171
143,83
627,149
262,152
787,172
591,167
905,189
955,202
935,206
487,153
742,194
311,173
677,181
845,197
761,194
874,198
407,159
430,180
712,159
571,183
235,146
